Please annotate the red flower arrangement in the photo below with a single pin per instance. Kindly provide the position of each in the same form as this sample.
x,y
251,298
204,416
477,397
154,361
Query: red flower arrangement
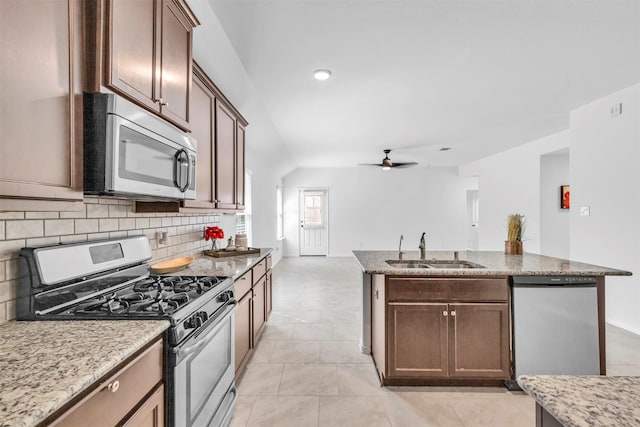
x,y
213,233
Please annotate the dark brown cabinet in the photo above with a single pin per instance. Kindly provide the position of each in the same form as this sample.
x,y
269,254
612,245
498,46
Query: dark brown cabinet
x,y
253,291
146,49
448,329
239,172
114,398
41,119
226,157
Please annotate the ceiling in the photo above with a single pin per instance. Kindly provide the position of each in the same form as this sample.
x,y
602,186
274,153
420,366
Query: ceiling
x,y
415,76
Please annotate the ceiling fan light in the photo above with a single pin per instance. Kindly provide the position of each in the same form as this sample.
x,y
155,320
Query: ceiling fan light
x,y
322,74
386,168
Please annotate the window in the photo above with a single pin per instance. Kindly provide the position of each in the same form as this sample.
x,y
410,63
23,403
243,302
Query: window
x,y
279,216
313,209
243,220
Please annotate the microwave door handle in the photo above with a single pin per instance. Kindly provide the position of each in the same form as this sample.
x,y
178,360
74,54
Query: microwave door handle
x,y
178,162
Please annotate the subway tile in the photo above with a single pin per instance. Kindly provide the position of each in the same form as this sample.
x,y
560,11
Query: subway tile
x,y
110,224
97,211
135,233
41,215
74,238
57,227
193,220
153,244
126,223
91,200
132,214
172,231
1,230
11,309
11,215
150,233
142,222
2,271
117,211
75,214
167,222
8,290
24,228
97,236
3,312
176,221
155,222
87,226
43,241
108,201
9,249
12,272
117,234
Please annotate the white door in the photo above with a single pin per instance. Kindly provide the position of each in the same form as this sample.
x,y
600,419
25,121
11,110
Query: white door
x,y
314,229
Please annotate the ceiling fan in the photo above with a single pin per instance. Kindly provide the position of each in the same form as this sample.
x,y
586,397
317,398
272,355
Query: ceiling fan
x,y
387,164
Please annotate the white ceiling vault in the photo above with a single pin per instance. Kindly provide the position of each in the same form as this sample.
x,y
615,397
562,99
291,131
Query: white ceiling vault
x,y
414,76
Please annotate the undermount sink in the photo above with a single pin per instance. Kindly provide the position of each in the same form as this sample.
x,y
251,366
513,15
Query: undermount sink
x,y
433,263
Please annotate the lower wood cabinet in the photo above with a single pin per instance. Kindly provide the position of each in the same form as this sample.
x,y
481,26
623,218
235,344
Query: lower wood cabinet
x,y
253,292
440,329
133,396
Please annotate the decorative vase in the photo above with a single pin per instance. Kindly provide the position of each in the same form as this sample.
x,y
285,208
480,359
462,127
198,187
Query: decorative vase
x,y
214,244
513,247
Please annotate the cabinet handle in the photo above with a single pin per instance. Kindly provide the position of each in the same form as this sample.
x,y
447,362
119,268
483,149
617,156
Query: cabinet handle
x,y
376,294
453,312
114,386
164,103
444,313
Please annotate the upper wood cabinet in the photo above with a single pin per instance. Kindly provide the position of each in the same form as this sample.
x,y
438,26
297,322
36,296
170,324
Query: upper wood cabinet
x,y
220,131
142,49
40,104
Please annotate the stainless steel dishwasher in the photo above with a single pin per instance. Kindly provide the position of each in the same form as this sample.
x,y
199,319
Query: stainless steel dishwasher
x,y
555,325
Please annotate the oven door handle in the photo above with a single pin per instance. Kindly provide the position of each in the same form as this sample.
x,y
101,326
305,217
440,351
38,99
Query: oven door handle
x,y
181,353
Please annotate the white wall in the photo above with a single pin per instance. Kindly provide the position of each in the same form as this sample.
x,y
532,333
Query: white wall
x,y
605,173
266,156
509,183
370,208
554,221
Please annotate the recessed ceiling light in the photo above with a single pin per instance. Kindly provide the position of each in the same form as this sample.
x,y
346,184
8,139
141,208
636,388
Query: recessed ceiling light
x,y
445,149
322,74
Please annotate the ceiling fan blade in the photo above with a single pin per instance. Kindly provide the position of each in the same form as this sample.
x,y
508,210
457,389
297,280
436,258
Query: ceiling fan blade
x,y
404,165
370,164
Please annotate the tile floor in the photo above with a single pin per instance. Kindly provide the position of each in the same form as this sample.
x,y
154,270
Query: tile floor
x,y
308,371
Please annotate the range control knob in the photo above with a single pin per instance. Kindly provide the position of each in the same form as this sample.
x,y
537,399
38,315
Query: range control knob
x,y
225,296
203,316
195,321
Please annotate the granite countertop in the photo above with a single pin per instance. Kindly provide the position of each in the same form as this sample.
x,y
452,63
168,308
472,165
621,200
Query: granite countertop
x,y
44,364
496,263
233,266
580,401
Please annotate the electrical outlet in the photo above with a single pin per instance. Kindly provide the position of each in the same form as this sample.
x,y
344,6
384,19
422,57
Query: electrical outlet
x,y
615,110
585,211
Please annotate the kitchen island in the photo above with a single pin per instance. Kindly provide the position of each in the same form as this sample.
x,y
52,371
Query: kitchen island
x,y
446,319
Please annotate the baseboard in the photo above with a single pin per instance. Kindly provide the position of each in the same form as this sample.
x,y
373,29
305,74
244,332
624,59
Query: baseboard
x,y
624,326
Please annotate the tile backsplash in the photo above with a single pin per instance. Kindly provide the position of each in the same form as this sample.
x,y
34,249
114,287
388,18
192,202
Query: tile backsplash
x,y
100,218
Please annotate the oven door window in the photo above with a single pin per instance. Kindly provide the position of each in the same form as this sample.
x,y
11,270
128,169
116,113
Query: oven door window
x,y
204,373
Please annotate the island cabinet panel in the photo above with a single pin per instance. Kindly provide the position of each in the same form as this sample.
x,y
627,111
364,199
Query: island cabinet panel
x,y
480,337
269,302
242,330
151,414
447,329
378,328
40,105
417,340
259,307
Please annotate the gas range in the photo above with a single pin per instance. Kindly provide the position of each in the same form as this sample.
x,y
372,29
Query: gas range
x,y
124,289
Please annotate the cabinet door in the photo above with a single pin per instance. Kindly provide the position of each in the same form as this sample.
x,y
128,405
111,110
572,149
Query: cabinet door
x,y
240,167
479,340
175,69
40,123
269,301
259,309
378,330
134,44
151,413
417,340
225,157
202,103
242,331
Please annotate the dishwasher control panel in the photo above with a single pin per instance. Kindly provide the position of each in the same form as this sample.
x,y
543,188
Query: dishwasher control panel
x,y
553,280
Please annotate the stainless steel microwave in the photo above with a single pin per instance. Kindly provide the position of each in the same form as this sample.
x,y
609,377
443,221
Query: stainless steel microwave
x,y
130,152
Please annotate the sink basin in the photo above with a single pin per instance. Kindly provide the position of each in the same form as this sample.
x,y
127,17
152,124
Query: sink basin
x,y
433,263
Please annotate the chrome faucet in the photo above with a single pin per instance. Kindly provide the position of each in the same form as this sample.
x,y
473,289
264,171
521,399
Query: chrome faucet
x,y
400,247
422,247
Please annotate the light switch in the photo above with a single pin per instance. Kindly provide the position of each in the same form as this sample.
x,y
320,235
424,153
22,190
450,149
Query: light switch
x,y
585,211
615,110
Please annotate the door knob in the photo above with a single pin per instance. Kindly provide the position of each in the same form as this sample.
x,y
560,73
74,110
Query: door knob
x,y
453,312
444,313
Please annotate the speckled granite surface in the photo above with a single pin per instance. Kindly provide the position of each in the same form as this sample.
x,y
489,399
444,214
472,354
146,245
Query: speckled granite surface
x,y
233,266
496,263
44,364
581,401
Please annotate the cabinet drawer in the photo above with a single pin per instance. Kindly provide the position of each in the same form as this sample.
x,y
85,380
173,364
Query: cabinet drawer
x,y
242,285
447,289
115,397
259,270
